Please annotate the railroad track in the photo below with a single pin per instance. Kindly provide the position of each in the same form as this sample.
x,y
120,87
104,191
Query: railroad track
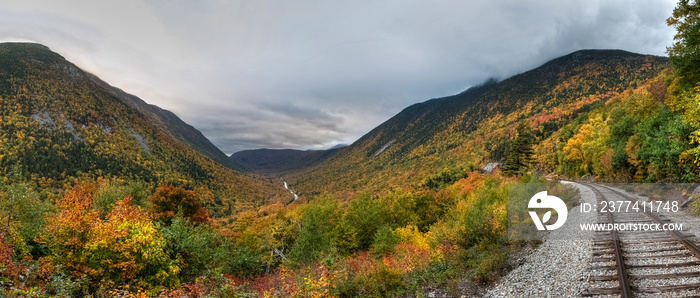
x,y
641,263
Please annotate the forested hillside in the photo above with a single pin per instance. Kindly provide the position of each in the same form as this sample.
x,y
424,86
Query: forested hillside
x,y
59,125
102,196
472,128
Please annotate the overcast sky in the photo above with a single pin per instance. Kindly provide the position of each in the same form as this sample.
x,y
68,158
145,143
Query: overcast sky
x,y
309,74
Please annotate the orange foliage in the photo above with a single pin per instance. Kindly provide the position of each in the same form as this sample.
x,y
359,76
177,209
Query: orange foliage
x,y
168,200
68,231
125,247
465,185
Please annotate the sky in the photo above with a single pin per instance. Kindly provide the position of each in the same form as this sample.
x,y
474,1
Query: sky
x,y
311,74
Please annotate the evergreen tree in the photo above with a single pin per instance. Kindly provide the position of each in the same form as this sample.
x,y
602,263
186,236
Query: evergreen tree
x,y
520,153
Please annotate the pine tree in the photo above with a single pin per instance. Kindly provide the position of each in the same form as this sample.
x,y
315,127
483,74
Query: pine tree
x,y
520,153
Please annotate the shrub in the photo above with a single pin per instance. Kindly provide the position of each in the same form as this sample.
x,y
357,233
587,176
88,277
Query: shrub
x,y
194,245
366,216
384,241
125,247
243,262
128,247
110,192
382,281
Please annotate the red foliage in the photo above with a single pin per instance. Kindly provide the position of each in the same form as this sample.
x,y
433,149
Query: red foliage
x,y
360,263
408,257
9,268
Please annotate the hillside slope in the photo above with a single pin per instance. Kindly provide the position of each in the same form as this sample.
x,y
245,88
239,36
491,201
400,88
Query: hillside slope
x,y
59,123
168,121
473,127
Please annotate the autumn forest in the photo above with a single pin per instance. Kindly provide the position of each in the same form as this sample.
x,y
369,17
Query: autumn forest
x,y
103,195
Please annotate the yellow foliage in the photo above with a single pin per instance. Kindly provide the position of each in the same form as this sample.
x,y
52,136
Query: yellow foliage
x,y
410,234
589,144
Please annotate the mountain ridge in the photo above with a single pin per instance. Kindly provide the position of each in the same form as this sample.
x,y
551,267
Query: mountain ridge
x,y
60,124
164,119
444,132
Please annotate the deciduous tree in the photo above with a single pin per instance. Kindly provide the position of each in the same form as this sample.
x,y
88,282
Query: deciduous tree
x,y
685,51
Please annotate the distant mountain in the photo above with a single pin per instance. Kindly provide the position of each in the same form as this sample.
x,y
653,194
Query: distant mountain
x,y
273,163
475,126
59,123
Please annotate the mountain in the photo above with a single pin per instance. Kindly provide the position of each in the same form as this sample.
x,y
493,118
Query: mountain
x,y
59,124
474,127
168,121
272,163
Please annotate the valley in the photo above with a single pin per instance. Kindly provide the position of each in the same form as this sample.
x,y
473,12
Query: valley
x,y
105,195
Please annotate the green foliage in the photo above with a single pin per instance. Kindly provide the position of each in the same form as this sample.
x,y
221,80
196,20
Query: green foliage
x,y
315,237
620,132
384,241
446,177
62,285
685,52
24,211
241,261
663,139
686,104
478,220
420,209
112,191
520,152
345,237
367,217
486,260
380,282
196,246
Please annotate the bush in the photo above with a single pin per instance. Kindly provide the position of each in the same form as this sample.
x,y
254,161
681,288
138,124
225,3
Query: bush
x,y
382,281
110,192
243,262
384,241
194,245
486,261
62,285
126,247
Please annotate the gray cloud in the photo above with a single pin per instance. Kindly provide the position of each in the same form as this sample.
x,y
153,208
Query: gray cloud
x,y
310,74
